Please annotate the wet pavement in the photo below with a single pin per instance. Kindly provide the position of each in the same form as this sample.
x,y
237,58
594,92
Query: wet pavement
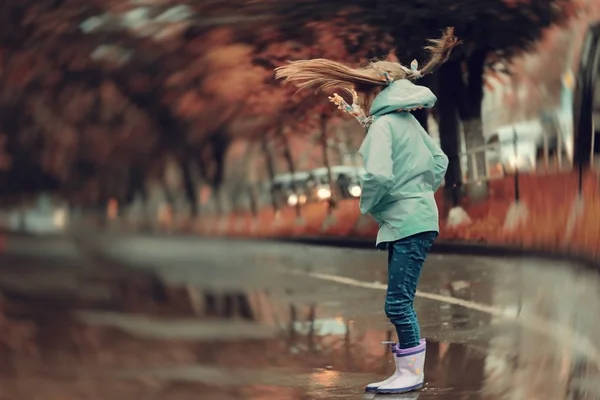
x,y
120,317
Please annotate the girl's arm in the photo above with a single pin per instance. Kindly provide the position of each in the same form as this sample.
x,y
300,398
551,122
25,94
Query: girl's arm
x,y
376,151
439,158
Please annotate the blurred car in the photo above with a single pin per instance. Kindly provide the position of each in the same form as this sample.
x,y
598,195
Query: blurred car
x,y
46,217
346,182
290,189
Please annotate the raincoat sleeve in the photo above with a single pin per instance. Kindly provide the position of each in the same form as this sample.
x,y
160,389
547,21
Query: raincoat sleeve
x,y
439,158
376,152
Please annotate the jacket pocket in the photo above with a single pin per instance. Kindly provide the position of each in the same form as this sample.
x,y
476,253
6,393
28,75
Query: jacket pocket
x,y
377,218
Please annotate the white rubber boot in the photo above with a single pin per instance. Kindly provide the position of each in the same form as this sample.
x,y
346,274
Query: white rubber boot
x,y
372,387
409,372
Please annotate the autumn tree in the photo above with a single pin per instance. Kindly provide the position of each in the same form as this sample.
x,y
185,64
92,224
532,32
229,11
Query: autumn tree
x,y
193,81
99,92
54,99
66,115
491,30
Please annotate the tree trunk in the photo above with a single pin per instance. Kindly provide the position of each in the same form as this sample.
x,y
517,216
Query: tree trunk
x,y
289,159
219,143
217,199
271,171
253,201
332,201
476,162
102,199
169,195
448,127
343,147
239,187
190,186
472,130
470,113
137,185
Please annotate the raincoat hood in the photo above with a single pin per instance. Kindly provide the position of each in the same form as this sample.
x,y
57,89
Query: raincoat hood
x,y
402,94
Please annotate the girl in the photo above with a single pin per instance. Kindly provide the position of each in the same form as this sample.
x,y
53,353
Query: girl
x,y
404,168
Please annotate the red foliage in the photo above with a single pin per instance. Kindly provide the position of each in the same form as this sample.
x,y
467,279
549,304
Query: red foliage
x,y
336,39
549,199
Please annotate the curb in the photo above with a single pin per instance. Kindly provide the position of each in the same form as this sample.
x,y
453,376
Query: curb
x,y
451,247
439,247
454,247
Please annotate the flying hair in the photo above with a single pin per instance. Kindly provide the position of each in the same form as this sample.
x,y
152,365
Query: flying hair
x,y
323,74
326,75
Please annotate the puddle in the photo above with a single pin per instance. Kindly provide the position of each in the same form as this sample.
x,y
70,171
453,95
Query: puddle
x,y
88,333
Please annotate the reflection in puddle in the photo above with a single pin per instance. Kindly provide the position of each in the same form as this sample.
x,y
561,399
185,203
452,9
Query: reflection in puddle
x,y
148,339
321,327
404,396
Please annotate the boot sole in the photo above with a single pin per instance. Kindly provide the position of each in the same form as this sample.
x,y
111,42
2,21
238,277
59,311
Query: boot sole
x,y
399,391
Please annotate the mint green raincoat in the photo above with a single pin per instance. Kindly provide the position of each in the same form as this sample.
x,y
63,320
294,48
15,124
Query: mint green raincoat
x,y
404,166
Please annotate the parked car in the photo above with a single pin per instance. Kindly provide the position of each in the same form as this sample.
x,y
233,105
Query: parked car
x,y
290,189
346,182
45,217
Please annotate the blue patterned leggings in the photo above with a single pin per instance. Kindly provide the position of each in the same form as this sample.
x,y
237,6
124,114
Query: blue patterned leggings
x,y
405,261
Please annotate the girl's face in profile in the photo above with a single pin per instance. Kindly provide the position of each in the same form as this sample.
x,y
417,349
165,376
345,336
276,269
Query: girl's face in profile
x,y
366,98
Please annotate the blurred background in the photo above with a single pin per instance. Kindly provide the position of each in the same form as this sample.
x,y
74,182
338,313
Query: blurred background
x,y
164,201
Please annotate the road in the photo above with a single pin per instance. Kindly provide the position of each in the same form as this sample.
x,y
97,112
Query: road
x,y
209,319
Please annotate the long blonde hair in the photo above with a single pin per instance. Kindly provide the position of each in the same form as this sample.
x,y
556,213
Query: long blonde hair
x,y
326,75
